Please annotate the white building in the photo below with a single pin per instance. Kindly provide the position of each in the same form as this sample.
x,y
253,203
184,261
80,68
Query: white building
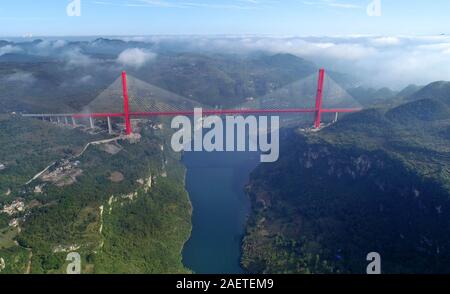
x,y
15,207
14,223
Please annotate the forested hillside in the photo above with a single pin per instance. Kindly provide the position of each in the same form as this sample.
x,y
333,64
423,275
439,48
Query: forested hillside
x,y
121,205
376,181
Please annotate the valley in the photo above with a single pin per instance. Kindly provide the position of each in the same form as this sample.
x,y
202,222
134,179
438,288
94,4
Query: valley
x,y
377,180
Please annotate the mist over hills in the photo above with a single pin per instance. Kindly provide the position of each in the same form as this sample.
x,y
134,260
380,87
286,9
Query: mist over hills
x,y
68,73
71,73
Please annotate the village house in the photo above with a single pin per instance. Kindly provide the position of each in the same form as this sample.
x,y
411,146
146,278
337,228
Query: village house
x,y
15,207
14,223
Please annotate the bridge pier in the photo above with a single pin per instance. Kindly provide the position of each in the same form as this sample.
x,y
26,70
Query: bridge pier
x,y
109,125
91,122
74,122
58,119
66,121
336,116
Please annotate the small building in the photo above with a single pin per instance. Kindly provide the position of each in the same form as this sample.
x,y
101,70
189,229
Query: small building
x,y
14,223
15,207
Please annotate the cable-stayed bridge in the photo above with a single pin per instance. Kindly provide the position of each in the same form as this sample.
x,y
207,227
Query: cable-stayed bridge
x,y
297,98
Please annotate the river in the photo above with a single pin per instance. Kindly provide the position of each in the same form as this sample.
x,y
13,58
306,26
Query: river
x,y
215,182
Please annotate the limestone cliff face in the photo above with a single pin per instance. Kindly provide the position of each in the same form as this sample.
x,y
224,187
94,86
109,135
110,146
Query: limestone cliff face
x,y
323,207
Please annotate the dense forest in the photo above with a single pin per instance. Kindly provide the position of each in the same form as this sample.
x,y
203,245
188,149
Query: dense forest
x,y
377,181
124,206
29,145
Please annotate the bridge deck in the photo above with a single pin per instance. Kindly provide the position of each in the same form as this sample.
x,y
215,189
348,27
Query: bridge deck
x,y
205,112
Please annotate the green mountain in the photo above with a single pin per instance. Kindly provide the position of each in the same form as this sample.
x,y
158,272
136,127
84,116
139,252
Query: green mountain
x,y
69,80
408,91
52,76
437,90
420,110
370,96
120,204
376,181
49,86
224,80
142,97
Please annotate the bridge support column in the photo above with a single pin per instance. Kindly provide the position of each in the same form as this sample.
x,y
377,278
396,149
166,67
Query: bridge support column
x,y
126,107
91,122
58,119
319,98
74,122
66,121
109,125
336,116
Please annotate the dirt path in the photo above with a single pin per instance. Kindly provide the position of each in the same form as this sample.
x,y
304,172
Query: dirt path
x,y
40,173
96,143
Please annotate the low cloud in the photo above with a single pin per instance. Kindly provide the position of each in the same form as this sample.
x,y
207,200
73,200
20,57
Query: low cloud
x,y
386,41
378,61
9,49
21,77
75,58
47,44
86,79
135,57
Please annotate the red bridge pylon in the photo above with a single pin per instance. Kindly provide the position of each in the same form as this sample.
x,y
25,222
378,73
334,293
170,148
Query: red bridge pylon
x,y
126,105
319,98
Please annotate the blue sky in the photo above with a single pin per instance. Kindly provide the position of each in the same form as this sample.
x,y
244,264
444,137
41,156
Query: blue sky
x,y
274,17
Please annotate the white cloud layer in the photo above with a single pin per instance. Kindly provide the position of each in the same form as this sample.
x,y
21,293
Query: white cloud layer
x,y
21,77
135,57
378,61
9,49
75,58
394,61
